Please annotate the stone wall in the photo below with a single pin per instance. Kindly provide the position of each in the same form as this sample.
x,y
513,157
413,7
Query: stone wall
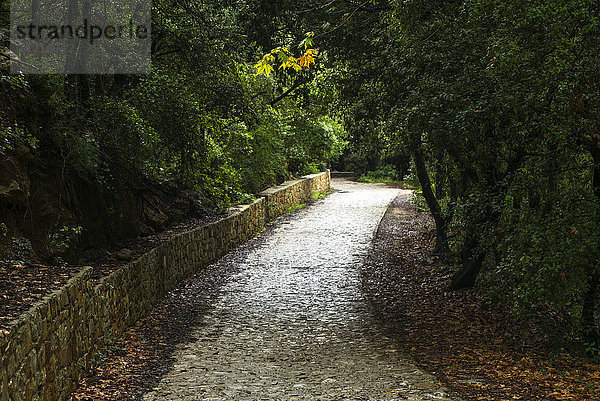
x,y
343,174
48,349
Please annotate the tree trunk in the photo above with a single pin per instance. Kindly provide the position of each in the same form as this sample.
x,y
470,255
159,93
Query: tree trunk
x,y
441,223
595,152
439,185
472,256
590,329
472,259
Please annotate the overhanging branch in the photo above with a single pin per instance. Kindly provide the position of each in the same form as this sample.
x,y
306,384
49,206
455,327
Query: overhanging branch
x,y
297,84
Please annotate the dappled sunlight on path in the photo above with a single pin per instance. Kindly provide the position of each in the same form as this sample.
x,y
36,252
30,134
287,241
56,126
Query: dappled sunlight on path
x,y
293,323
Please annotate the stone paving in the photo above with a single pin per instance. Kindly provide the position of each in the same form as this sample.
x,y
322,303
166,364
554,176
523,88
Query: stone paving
x,y
293,324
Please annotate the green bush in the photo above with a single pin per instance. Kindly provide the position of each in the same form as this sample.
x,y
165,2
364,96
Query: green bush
x,y
386,173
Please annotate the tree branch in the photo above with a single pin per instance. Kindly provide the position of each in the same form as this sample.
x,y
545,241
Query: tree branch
x,y
298,83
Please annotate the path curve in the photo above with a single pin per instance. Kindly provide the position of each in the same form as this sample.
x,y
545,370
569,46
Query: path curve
x,y
293,324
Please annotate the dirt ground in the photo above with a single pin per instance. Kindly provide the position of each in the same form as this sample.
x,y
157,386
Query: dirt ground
x,y
476,351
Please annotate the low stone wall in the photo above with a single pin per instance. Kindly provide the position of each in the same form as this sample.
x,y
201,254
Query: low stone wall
x,y
48,349
279,199
343,174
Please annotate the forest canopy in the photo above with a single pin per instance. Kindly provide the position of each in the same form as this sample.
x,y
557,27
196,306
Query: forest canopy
x,y
490,106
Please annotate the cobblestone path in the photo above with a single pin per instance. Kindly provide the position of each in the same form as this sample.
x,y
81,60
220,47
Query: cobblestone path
x,y
293,325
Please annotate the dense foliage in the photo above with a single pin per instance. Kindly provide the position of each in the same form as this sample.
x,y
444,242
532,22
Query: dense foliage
x,y
105,158
491,105
205,121
497,101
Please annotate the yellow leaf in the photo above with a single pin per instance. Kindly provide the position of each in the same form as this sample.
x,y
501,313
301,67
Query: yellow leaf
x,y
268,69
302,61
307,59
264,66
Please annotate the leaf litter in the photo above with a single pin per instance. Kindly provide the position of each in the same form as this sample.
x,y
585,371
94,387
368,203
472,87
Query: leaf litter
x,y
475,350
